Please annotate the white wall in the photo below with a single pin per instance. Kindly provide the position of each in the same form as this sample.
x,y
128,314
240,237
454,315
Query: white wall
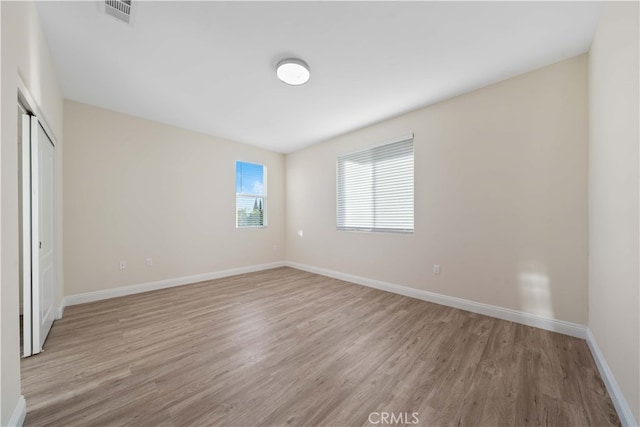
x,y
25,53
614,261
136,189
500,198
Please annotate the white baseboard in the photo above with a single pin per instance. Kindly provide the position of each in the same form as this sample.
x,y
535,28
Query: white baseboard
x,y
19,413
554,325
620,403
161,284
60,310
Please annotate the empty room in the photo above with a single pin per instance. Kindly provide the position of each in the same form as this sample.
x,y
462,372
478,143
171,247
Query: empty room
x,y
319,213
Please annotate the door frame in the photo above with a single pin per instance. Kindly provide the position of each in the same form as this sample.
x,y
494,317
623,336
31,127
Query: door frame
x,y
25,225
27,101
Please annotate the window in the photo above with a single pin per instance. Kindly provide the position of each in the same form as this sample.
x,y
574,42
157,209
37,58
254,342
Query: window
x,y
251,195
375,188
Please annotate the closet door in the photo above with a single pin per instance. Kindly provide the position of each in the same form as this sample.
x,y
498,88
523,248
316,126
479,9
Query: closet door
x,y
40,251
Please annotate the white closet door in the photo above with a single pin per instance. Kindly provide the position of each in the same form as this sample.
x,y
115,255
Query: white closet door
x,y
43,245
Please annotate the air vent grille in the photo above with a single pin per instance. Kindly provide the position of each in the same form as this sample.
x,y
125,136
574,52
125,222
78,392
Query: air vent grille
x,y
120,9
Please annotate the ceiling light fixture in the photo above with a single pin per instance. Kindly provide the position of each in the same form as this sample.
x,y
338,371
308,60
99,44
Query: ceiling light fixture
x,y
293,71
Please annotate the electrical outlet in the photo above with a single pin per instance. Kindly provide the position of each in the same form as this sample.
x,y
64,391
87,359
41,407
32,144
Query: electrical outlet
x,y
123,265
148,262
436,269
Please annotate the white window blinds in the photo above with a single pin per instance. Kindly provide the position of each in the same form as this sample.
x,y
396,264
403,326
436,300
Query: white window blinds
x,y
375,188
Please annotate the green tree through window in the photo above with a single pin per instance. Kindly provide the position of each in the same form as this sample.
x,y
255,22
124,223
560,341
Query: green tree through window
x,y
250,195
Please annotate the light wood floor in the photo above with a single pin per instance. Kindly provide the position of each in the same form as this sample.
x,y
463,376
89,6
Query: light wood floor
x,y
285,347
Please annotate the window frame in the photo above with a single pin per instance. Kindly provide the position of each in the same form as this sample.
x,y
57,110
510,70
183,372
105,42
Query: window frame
x,y
258,196
339,185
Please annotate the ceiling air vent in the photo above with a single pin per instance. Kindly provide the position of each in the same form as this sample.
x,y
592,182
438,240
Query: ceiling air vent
x,y
119,9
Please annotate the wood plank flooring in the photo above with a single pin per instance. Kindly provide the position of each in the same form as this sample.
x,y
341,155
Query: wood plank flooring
x,y
286,347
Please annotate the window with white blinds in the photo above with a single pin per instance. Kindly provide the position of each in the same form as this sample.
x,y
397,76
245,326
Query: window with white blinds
x,y
251,195
375,188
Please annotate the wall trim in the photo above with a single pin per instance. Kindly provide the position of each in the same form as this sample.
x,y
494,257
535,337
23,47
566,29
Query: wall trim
x,y
161,284
33,105
554,325
620,403
19,413
60,310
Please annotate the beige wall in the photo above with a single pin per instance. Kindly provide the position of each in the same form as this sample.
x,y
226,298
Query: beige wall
x,y
25,53
500,198
136,189
614,281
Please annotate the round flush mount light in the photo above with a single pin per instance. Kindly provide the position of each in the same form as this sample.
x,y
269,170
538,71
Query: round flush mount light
x,y
293,72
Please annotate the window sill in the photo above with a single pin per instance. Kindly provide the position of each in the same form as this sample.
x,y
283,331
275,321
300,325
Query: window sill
x,y
373,230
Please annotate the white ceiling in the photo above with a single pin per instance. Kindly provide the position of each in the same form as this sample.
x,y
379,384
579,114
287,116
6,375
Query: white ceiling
x,y
210,66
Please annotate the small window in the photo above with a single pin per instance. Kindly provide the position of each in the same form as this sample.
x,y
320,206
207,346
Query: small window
x,y
251,195
375,188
